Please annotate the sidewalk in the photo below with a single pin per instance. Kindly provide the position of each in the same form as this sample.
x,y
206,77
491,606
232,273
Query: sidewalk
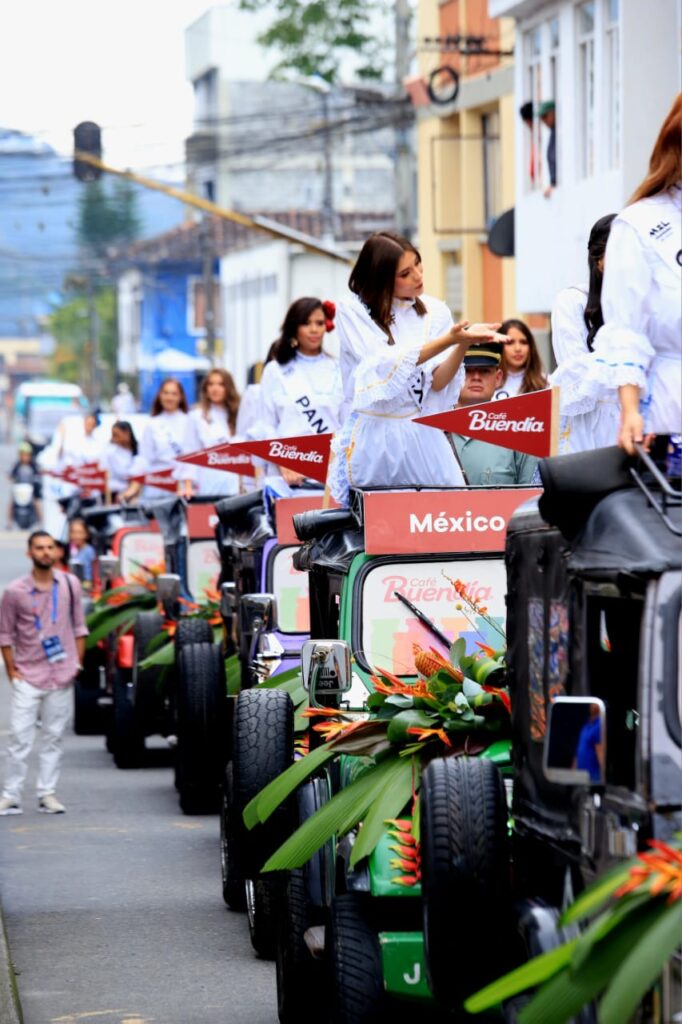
x,y
10,1008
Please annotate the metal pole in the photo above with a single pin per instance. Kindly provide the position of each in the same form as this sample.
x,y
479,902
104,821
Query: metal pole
x,y
328,190
207,275
94,344
404,187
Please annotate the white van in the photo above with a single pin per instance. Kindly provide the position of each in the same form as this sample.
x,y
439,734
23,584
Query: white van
x,y
39,408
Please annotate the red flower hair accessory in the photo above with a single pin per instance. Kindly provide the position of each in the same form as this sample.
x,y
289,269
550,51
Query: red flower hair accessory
x,y
329,312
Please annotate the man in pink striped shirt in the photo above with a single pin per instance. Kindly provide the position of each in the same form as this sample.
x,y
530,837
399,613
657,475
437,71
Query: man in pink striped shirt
x,y
42,638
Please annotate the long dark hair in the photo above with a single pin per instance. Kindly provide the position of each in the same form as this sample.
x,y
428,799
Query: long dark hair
x,y
157,408
231,400
298,314
534,378
373,276
127,428
596,247
665,165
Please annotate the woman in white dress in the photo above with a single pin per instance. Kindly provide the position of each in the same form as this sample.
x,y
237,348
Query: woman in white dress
x,y
589,417
391,335
212,422
639,348
163,437
522,369
120,459
300,390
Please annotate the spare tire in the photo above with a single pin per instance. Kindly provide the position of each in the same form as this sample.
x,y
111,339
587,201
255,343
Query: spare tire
x,y
465,876
192,631
263,747
147,700
202,729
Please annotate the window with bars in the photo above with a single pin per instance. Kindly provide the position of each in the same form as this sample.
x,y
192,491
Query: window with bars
x,y
612,83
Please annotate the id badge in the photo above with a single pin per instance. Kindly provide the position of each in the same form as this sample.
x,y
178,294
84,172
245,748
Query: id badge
x,y
54,651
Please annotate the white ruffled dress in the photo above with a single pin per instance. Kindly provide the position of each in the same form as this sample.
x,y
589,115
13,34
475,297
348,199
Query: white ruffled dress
x,y
641,340
378,444
588,419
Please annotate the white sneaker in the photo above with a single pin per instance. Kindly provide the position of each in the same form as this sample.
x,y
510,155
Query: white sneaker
x,y
8,805
49,804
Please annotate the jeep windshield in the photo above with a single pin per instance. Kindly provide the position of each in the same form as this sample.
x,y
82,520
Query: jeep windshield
x,y
290,587
384,628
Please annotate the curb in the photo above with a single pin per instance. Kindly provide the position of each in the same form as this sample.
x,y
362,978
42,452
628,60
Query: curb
x,y
10,1007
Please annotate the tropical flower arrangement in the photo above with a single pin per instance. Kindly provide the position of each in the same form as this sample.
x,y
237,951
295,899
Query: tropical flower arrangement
x,y
116,609
633,918
457,705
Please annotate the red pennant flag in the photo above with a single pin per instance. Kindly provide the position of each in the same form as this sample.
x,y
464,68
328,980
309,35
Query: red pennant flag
x,y
92,480
228,457
307,454
526,423
161,478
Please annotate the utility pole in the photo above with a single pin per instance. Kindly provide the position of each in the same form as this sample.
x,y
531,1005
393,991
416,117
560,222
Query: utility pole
x,y
404,185
328,231
93,322
207,259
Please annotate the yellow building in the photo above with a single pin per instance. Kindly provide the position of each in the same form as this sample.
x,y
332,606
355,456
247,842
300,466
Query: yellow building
x,y
466,167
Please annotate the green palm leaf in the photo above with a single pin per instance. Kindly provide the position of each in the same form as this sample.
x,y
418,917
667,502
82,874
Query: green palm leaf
x,y
596,894
268,800
163,656
563,996
336,817
641,967
389,801
121,619
536,971
283,681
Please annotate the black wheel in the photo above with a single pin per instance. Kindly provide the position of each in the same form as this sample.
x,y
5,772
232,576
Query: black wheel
x,y
357,980
89,718
304,905
263,899
465,872
201,716
147,699
125,739
263,747
192,631
234,892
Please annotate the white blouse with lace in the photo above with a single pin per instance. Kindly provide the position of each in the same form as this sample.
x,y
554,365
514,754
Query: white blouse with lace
x,y
379,445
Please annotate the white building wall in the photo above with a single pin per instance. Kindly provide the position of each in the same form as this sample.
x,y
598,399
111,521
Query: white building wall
x,y
551,233
258,285
128,303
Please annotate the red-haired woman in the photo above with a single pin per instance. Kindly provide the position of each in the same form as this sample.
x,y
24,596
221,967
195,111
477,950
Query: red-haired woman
x,y
391,335
300,389
639,348
213,421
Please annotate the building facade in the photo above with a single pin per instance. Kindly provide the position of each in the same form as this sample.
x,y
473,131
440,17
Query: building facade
x,y
612,69
465,157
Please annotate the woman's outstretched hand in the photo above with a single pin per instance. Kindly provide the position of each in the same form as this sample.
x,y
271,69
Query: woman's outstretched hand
x,y
485,332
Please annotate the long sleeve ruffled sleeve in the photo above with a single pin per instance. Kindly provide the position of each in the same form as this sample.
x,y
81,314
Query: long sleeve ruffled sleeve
x,y
569,332
373,371
622,347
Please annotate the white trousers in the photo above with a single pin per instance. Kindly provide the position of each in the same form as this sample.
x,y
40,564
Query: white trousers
x,y
54,708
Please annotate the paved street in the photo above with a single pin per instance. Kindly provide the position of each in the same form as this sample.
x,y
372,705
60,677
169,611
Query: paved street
x,y
114,910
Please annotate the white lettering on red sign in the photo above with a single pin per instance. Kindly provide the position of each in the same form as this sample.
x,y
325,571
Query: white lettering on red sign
x,y
290,451
227,459
479,419
466,523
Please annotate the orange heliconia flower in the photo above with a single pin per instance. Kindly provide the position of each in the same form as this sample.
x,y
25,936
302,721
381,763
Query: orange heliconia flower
x,y
169,626
337,730
502,694
425,734
662,871
315,712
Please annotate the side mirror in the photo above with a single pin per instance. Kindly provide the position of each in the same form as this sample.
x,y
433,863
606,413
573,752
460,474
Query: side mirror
x,y
326,667
575,744
109,566
168,587
228,599
269,648
258,611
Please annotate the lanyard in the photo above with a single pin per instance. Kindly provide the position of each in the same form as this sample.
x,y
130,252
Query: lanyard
x,y
34,606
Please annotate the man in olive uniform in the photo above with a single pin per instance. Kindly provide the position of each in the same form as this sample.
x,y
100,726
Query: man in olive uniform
x,y
486,464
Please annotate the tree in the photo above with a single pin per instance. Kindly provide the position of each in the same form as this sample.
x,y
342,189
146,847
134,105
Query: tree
x,y
71,327
314,37
106,217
